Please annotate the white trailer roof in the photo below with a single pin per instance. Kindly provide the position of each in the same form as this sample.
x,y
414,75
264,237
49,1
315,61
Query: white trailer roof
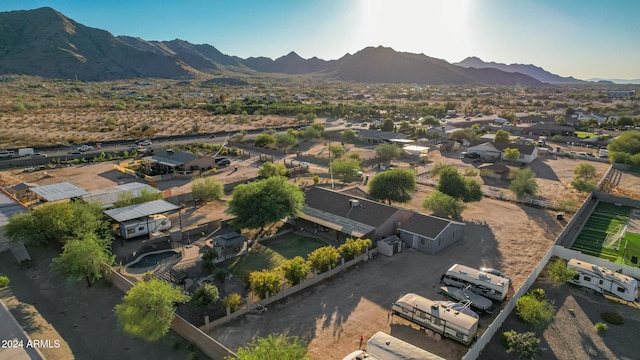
x,y
386,347
140,210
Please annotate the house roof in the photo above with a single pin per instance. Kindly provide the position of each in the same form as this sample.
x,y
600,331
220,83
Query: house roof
x,y
550,126
59,191
109,196
334,210
230,239
426,225
9,206
23,186
172,158
138,211
380,135
523,149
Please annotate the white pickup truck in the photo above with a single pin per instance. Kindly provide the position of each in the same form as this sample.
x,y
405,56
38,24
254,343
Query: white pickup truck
x,y
6,153
85,148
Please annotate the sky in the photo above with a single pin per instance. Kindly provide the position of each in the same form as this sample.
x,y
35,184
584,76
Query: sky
x,y
581,38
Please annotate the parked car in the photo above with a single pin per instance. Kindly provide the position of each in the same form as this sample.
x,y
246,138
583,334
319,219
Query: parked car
x,y
38,156
144,143
85,147
496,273
470,155
224,162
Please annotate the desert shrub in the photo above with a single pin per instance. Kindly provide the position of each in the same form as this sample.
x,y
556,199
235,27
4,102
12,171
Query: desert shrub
x,y
601,327
539,294
232,301
221,274
4,281
534,311
612,318
526,345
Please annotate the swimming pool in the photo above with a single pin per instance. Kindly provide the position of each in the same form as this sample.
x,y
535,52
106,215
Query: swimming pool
x,y
151,260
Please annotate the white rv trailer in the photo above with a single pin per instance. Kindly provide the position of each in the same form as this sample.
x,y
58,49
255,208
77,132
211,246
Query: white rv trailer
x,y
603,280
480,282
137,227
441,319
386,347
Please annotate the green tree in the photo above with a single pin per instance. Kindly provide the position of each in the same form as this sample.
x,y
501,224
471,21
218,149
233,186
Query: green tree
x,y
86,258
261,204
268,170
457,186
264,282
349,135
205,295
559,272
207,189
394,185
312,133
534,311
273,347
430,120
441,202
526,345
465,134
623,121
264,139
285,141
502,137
583,185
352,248
624,147
345,169
148,309
295,270
58,222
584,170
523,183
386,152
324,258
388,125
336,151
511,154
128,198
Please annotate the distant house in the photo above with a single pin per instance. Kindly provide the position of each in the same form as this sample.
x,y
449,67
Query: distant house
x,y
351,216
378,136
548,129
169,161
495,151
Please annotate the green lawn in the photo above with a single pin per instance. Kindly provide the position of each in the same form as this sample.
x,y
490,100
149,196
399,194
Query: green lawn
x,y
272,253
584,134
632,248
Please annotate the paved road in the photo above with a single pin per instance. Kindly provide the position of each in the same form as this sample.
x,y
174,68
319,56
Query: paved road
x,y
14,342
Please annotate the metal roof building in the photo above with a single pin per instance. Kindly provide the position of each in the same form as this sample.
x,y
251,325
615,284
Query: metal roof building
x,y
109,196
59,191
9,207
139,211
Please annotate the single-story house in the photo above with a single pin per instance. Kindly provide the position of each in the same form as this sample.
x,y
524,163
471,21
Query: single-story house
x,y
378,136
356,217
547,129
500,171
495,151
170,160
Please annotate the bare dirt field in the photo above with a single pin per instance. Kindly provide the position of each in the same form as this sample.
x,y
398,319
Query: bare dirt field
x,y
334,314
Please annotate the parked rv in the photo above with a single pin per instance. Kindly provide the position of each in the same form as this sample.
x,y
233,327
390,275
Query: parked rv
x,y
477,302
138,227
482,283
386,347
437,317
25,152
603,280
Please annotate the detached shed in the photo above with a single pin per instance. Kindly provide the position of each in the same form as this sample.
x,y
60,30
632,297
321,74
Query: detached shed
x,y
390,246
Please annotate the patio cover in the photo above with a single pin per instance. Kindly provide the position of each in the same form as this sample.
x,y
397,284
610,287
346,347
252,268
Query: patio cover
x,y
59,191
140,210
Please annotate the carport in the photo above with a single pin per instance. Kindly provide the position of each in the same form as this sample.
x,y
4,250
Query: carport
x,y
141,211
58,192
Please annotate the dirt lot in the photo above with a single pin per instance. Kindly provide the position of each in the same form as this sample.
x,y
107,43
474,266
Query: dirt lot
x,y
333,315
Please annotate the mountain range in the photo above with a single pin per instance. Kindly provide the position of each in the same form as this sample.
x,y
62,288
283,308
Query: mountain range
x,y
44,42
